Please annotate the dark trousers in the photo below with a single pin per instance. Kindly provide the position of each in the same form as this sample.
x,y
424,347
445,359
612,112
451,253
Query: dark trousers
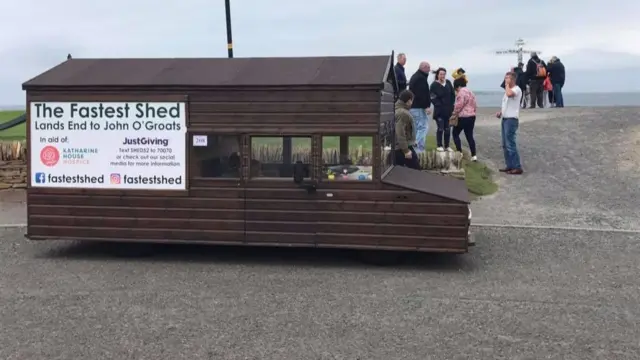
x,y
465,124
536,90
410,163
557,91
524,97
443,133
551,97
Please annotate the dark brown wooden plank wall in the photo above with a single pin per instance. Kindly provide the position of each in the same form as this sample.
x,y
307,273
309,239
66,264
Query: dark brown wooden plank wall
x,y
386,106
286,112
341,214
136,215
276,213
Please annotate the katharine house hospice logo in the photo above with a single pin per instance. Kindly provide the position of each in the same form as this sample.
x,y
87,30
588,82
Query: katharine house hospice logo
x,y
78,156
49,156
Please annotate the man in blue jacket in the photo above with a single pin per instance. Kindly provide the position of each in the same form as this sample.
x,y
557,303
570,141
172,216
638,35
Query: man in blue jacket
x,y
401,77
557,76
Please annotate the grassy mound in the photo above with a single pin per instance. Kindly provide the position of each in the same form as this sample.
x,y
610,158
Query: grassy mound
x,y
479,178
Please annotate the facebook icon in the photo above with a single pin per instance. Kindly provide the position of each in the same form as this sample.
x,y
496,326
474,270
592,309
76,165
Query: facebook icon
x,y
41,178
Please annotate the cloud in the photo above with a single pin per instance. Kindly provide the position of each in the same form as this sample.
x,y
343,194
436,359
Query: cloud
x,y
39,34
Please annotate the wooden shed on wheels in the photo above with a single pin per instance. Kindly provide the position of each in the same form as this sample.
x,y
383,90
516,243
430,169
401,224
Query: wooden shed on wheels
x,y
245,151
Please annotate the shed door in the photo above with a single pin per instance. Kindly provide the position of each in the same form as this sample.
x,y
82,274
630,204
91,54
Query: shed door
x,y
277,209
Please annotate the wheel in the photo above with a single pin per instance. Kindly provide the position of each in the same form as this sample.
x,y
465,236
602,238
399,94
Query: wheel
x,y
380,257
129,250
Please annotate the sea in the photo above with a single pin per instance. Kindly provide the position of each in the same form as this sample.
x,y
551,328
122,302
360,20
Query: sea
x,y
493,99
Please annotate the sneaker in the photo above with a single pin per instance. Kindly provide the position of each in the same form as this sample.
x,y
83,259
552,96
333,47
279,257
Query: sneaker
x,y
474,158
449,149
440,148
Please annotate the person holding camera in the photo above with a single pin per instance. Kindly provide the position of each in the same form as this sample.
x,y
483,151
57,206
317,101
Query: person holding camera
x,y
510,113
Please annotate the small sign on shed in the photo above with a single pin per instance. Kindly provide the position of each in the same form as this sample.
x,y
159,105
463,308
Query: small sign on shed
x,y
199,140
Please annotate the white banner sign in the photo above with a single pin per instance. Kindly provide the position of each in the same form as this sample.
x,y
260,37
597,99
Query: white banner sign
x,y
108,145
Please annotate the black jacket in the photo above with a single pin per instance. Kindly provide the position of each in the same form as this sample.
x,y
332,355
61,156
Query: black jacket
x,y
521,78
401,77
556,72
443,98
532,68
419,85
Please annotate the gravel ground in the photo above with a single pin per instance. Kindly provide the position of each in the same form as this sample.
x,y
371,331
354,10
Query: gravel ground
x,y
582,169
520,294
13,207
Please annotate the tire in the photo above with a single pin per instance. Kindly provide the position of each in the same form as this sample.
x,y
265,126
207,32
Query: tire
x,y
380,257
130,250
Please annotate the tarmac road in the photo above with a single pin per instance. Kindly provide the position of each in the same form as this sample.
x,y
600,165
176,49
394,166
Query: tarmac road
x,y
519,294
582,169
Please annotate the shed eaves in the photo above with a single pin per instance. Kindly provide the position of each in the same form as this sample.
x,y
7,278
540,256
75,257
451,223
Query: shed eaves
x,y
214,72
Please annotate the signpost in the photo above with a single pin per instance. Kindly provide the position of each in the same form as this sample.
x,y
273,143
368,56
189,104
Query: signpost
x,y
519,50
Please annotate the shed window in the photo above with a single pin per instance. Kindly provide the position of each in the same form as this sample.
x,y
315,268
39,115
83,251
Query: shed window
x,y
273,157
347,158
215,156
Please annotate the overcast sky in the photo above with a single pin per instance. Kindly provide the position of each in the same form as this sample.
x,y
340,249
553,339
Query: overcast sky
x,y
37,34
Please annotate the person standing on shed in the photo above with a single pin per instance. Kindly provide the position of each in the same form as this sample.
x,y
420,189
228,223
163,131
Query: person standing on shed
x,y
405,154
421,107
464,111
443,97
510,113
401,76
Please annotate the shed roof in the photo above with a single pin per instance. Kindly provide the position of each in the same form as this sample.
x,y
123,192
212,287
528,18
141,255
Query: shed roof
x,y
427,183
216,72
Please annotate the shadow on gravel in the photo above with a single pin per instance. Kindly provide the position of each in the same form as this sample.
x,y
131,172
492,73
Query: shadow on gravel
x,y
312,257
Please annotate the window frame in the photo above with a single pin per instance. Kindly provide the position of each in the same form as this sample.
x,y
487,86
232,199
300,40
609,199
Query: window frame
x,y
375,178
312,175
193,158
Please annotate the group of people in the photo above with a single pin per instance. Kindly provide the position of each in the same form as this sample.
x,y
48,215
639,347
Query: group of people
x,y
454,112
453,104
541,78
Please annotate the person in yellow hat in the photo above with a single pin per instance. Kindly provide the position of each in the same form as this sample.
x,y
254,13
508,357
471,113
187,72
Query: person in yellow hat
x,y
459,73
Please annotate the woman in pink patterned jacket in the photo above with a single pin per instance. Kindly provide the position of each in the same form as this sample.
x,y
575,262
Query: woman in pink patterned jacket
x,y
465,110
